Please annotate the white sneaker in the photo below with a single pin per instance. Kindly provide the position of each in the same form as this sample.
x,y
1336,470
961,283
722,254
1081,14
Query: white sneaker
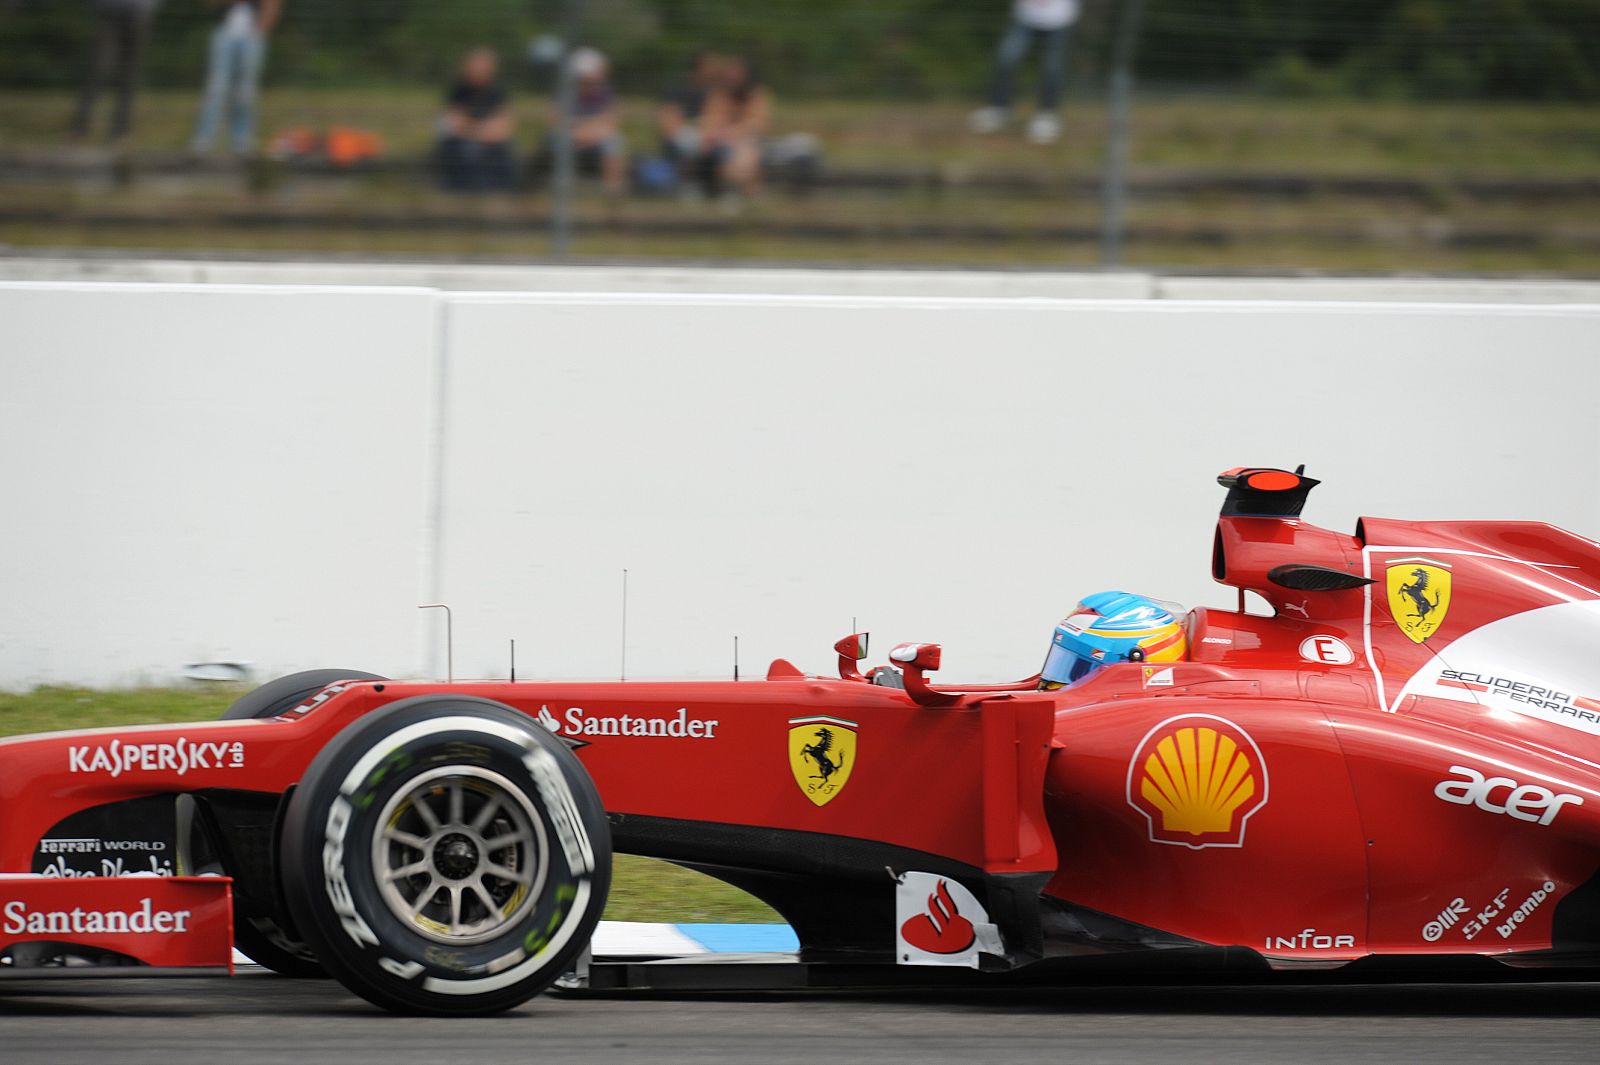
x,y
1044,128
987,120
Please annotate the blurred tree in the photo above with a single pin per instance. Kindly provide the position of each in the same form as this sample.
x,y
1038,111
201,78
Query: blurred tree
x,y
1518,49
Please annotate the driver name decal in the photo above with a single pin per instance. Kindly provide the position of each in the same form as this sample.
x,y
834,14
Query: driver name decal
x,y
1197,779
178,756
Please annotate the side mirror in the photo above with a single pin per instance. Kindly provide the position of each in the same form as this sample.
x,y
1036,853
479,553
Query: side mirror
x,y
851,649
924,656
914,660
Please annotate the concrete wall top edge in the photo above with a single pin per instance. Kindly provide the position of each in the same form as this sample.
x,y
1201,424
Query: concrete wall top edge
x,y
205,287
641,298
1142,306
1083,284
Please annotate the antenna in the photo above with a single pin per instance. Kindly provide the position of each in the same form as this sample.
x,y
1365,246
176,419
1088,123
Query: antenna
x,y
449,640
736,659
624,673
513,661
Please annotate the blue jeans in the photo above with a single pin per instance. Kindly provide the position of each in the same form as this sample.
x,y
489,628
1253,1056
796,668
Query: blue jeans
x,y
1053,66
233,75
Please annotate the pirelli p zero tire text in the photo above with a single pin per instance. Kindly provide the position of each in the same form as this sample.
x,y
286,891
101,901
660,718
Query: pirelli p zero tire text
x,y
446,855
263,938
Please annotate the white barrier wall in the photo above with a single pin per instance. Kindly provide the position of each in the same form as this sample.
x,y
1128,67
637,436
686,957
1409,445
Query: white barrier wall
x,y
763,466
204,474
954,471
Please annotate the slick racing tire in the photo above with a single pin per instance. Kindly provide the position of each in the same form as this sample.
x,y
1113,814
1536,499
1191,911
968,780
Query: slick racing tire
x,y
446,856
262,938
286,693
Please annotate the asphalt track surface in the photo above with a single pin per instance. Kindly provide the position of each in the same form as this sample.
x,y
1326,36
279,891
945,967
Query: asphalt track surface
x,y
257,1017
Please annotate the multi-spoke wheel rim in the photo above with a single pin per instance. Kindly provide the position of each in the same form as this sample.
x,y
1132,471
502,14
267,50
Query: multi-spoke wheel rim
x,y
459,855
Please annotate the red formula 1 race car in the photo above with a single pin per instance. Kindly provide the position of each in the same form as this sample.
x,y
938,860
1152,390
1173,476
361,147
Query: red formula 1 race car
x,y
1403,760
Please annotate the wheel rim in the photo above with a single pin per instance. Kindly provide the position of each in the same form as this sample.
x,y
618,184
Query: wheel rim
x,y
459,855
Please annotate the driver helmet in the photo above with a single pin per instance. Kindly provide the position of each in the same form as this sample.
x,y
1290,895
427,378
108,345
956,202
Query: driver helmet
x,y
1112,627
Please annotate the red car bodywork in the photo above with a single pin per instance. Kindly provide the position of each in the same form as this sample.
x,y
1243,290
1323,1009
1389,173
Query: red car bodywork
x,y
1362,772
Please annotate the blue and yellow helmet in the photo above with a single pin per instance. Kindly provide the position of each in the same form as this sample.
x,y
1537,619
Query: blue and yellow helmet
x,y
1112,627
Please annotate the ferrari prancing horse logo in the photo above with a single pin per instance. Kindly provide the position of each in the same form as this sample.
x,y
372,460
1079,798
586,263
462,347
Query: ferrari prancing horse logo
x,y
822,755
1419,596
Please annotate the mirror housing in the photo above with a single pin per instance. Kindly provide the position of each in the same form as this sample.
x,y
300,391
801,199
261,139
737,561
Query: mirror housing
x,y
915,659
851,649
925,656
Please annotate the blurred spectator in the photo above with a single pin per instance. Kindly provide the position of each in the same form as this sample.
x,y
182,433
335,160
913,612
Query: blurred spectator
x,y
475,132
736,115
116,53
233,72
1045,23
595,122
678,117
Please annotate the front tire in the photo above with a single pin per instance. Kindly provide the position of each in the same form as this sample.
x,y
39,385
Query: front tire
x,y
446,856
286,693
263,939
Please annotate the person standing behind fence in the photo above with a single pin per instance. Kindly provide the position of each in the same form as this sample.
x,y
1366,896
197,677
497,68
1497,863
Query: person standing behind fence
x,y
233,72
1046,24
116,53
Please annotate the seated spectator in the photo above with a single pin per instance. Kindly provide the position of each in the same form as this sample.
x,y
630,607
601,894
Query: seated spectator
x,y
595,122
475,133
731,130
678,117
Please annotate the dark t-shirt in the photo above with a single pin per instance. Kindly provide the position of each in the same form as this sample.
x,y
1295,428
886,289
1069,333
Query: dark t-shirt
x,y
478,101
689,99
591,103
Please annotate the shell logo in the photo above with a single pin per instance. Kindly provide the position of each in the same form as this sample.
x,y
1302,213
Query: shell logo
x,y
1197,779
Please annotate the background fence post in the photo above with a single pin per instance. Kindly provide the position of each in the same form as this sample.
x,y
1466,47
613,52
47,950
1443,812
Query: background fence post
x,y
1114,190
564,181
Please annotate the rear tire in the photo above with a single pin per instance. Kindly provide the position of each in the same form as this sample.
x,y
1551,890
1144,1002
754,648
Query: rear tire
x,y
446,855
264,939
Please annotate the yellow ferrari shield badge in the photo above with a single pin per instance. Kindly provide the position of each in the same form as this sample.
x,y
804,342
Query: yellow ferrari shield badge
x,y
1419,596
822,755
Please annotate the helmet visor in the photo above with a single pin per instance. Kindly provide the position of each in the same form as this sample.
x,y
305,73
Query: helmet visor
x,y
1066,666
